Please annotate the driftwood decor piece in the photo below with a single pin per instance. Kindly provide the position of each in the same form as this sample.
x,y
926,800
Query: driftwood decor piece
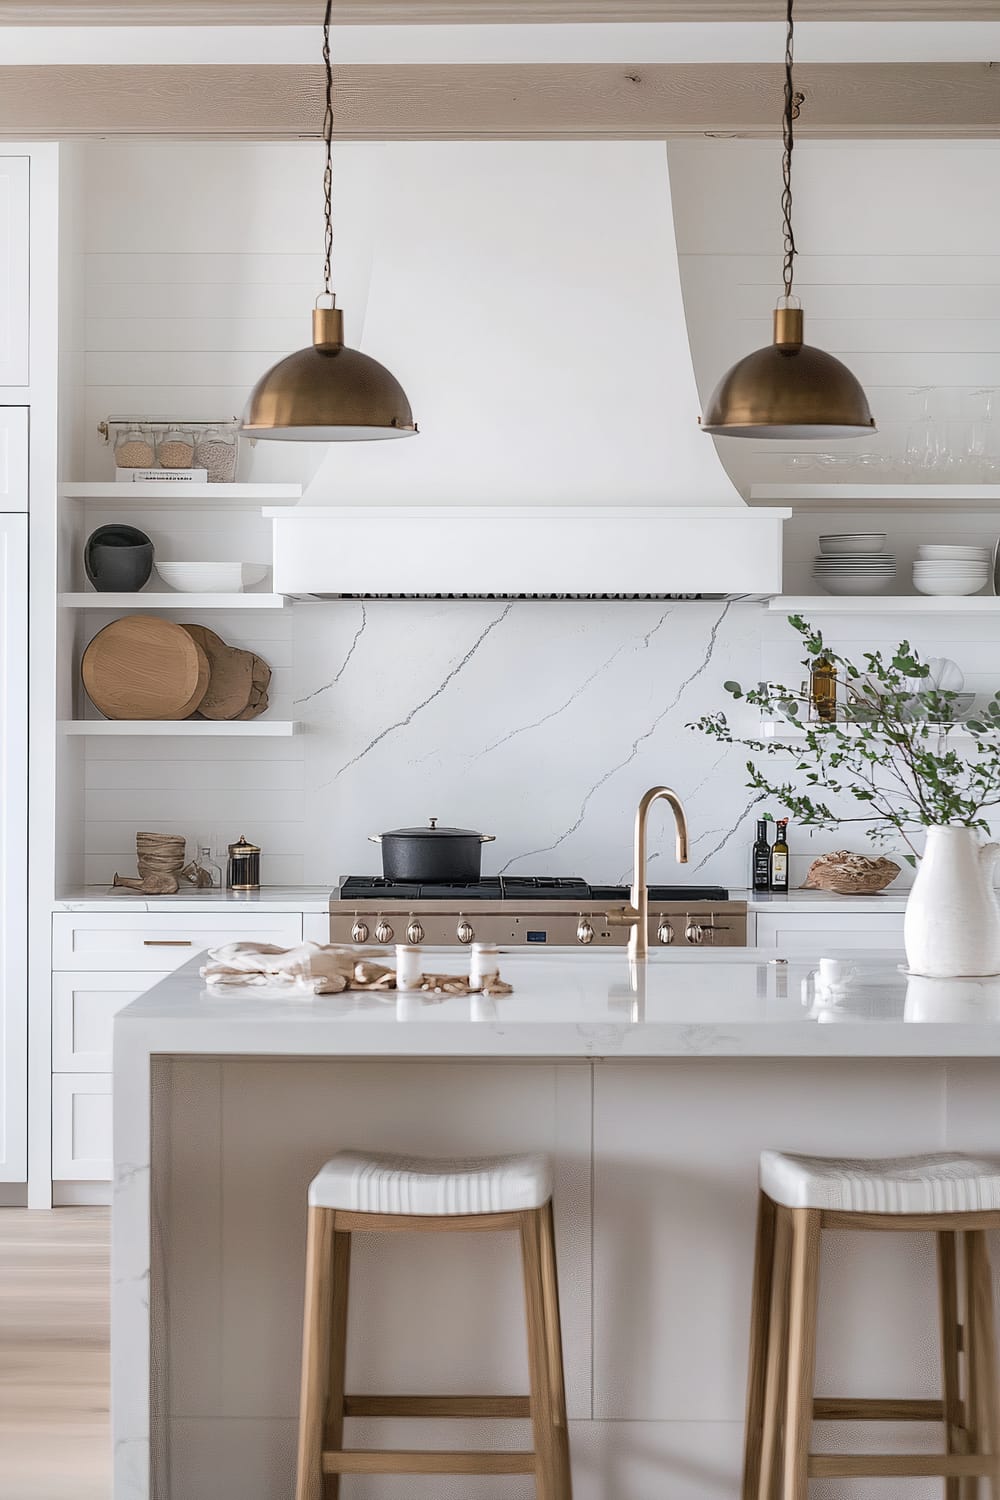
x,y
848,874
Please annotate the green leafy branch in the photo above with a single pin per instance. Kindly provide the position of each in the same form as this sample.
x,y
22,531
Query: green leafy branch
x,y
893,758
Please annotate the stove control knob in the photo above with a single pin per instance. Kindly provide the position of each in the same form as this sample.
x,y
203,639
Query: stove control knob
x,y
414,932
464,932
695,932
359,932
584,931
383,932
665,932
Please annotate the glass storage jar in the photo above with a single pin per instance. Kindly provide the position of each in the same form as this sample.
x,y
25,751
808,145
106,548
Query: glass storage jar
x,y
175,450
134,449
215,451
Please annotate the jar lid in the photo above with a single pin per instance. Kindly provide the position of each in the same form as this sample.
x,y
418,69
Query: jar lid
x,y
242,847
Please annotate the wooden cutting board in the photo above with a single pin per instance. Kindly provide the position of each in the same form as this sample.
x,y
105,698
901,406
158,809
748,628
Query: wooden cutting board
x,y
141,667
231,683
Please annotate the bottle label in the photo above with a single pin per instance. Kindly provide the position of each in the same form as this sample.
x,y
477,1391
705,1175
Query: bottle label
x,y
779,869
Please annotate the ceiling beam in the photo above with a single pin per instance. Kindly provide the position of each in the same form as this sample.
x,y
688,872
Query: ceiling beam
x,y
461,12
517,101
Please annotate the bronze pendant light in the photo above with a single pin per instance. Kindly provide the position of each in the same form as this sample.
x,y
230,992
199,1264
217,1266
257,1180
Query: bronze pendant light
x,y
788,389
328,393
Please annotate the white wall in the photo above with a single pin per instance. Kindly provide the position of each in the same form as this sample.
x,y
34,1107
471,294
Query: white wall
x,y
898,271
525,293
541,723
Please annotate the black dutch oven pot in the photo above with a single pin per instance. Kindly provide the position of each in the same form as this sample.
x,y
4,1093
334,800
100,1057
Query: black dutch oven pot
x,y
446,854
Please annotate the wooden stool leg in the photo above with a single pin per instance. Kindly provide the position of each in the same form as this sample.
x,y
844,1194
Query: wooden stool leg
x,y
984,1356
333,1436
316,1330
955,1437
776,1374
760,1313
801,1350
548,1400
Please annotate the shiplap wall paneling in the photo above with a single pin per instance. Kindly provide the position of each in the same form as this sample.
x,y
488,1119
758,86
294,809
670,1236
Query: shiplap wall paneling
x,y
898,271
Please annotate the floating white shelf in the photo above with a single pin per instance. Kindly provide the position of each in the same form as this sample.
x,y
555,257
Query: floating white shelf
x,y
883,604
780,729
874,496
184,603
181,495
185,728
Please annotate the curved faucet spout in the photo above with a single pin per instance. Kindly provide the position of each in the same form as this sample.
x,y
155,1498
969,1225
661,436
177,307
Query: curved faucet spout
x,y
636,915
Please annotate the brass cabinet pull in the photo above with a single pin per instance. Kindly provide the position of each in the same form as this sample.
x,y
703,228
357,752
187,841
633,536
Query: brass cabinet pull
x,y
166,942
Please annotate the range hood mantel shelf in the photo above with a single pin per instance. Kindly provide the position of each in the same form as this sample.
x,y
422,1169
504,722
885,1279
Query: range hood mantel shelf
x,y
544,552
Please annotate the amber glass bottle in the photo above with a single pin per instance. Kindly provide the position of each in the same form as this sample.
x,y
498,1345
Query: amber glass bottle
x,y
823,690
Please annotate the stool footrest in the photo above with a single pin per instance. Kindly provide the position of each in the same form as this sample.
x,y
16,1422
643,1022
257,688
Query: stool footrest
x,y
876,1409
899,1465
425,1461
437,1406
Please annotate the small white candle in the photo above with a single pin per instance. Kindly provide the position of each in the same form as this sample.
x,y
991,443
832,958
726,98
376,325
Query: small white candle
x,y
484,963
409,966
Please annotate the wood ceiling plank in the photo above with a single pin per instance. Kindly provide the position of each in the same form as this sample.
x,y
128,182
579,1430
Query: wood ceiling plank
x,y
458,12
519,101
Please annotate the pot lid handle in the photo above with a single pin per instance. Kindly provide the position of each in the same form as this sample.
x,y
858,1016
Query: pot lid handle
x,y
374,838
434,822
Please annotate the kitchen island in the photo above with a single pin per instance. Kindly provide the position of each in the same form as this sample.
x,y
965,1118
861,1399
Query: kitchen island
x,y
654,1090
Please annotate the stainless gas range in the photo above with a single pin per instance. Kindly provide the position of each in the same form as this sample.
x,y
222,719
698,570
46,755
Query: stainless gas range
x,y
524,910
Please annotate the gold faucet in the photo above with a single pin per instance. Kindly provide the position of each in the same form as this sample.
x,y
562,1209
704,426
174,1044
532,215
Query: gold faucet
x,y
636,915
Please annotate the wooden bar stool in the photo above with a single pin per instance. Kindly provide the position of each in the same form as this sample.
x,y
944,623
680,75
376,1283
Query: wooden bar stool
x,y
358,1193
955,1197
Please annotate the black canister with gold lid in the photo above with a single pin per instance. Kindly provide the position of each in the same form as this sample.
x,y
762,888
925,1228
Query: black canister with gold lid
x,y
243,869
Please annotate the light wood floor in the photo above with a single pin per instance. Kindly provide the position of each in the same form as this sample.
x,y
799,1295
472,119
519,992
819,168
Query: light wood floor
x,y
54,1365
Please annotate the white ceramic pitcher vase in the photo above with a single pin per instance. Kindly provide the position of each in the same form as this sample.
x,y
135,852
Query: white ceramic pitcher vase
x,y
952,925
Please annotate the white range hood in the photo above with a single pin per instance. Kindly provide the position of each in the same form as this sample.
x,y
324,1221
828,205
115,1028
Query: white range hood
x,y
550,372
514,551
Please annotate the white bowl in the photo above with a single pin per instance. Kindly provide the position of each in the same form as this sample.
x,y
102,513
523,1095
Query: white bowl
x,y
852,584
850,542
939,552
957,587
211,577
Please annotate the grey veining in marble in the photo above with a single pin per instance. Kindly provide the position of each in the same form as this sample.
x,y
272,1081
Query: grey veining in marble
x,y
541,722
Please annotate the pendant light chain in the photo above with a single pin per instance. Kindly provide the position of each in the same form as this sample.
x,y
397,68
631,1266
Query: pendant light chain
x,y
791,114
328,142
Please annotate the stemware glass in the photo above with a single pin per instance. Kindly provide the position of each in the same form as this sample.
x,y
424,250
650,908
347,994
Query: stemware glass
x,y
927,450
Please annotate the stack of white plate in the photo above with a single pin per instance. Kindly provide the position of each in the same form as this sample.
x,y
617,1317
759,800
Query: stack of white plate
x,y
941,569
854,563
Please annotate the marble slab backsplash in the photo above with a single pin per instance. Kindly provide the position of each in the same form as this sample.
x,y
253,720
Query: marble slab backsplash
x,y
539,722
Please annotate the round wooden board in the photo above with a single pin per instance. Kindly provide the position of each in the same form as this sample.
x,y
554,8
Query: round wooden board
x,y
231,684
141,667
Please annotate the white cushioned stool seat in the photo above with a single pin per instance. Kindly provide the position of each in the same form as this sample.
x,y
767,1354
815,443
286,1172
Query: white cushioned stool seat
x,y
942,1183
367,1183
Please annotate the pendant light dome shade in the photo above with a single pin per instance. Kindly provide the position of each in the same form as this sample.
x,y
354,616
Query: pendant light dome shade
x,y
788,390
328,393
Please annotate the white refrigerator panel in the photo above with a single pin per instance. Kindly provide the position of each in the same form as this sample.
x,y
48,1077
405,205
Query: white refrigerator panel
x,y
13,846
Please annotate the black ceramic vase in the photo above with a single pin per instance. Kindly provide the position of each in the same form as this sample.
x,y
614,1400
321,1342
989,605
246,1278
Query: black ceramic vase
x,y
118,559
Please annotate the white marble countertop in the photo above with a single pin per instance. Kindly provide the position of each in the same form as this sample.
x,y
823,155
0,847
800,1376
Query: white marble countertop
x,y
566,1004
296,898
316,898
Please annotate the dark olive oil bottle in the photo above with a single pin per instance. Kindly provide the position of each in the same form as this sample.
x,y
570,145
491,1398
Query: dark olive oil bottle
x,y
760,877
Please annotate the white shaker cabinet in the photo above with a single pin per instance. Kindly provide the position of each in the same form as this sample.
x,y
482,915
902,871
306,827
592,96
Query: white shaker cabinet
x,y
13,458
13,270
808,932
13,846
101,961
